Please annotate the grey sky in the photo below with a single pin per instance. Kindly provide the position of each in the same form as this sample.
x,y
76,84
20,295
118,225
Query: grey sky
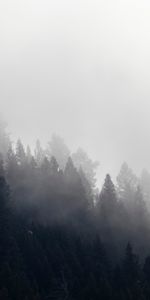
x,y
81,69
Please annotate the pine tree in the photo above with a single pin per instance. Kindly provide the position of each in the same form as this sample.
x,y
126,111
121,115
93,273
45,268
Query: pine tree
x,y
74,187
4,194
4,139
146,268
54,166
130,267
20,153
59,150
28,155
89,167
108,198
127,184
11,167
39,153
87,188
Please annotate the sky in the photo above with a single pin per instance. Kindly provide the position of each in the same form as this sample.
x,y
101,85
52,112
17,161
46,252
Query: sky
x,y
81,69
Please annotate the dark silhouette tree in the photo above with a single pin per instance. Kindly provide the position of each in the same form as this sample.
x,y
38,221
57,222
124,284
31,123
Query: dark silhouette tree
x,y
108,198
131,267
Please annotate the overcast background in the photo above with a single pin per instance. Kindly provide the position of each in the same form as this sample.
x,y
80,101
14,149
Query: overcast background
x,y
80,69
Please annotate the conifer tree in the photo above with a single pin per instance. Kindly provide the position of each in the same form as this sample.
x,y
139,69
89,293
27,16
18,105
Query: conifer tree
x,y
131,267
108,198
20,153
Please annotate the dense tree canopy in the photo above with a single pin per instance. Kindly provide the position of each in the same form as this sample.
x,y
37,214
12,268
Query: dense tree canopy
x,y
56,242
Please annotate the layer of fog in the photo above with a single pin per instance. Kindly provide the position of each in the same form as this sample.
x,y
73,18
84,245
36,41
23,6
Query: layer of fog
x,y
80,69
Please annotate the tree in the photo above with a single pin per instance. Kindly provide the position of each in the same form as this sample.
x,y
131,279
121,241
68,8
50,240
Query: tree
x,y
127,184
39,153
111,218
4,193
20,153
5,223
28,154
87,188
130,267
45,167
108,198
59,150
4,294
11,167
72,176
145,186
140,206
74,187
49,173
4,139
140,223
89,167
2,170
146,268
54,166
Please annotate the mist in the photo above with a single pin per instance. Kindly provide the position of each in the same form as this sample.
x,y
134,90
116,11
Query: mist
x,y
75,153
79,69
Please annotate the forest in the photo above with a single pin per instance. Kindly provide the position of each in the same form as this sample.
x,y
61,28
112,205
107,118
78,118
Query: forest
x,y
63,238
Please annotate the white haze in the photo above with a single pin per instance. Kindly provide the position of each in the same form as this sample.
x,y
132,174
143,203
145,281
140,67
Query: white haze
x,y
81,69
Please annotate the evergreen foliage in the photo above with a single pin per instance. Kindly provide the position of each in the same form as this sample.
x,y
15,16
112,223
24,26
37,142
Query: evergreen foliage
x,y
57,243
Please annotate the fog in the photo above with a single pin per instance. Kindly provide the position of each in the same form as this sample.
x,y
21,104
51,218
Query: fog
x,y
80,69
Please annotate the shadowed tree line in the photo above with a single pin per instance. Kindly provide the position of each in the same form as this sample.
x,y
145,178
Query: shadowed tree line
x,y
62,239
